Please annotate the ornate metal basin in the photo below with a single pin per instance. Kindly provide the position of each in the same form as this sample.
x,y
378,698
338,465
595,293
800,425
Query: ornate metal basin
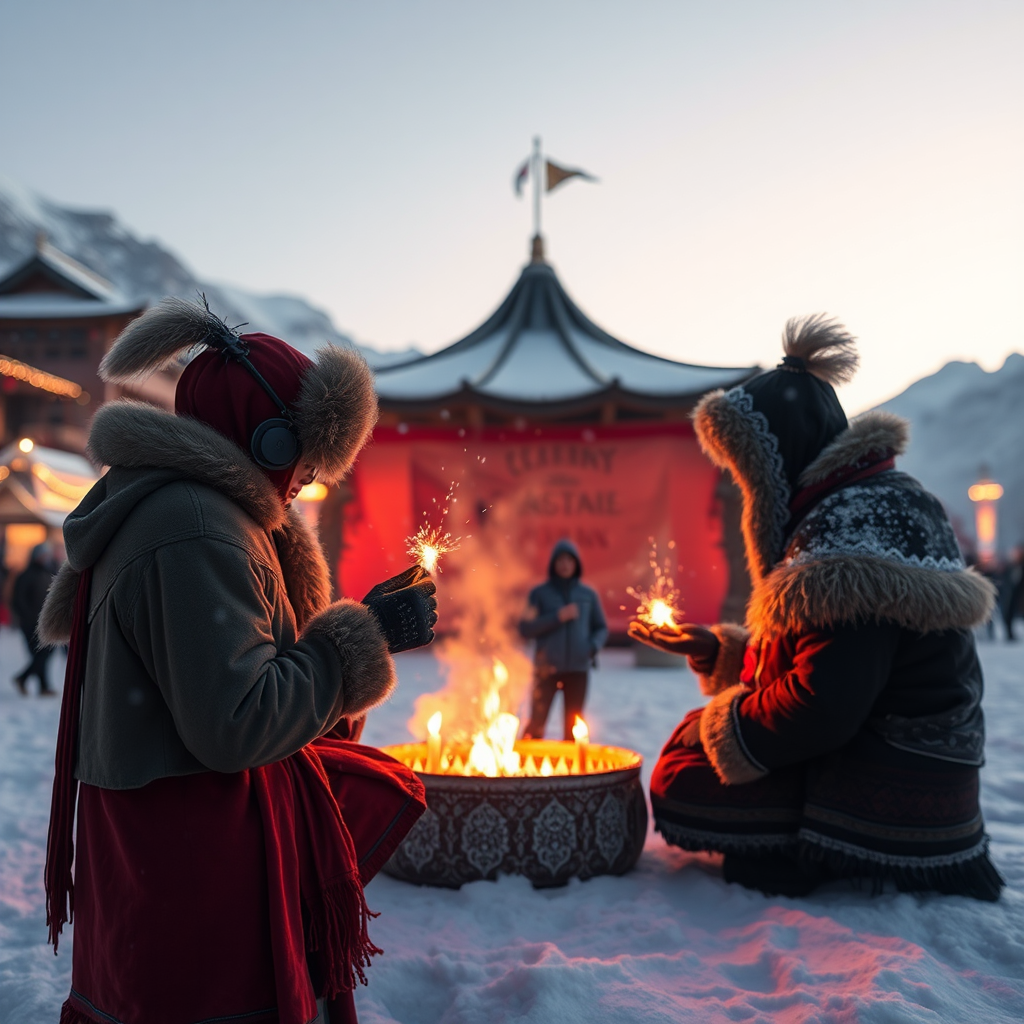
x,y
548,828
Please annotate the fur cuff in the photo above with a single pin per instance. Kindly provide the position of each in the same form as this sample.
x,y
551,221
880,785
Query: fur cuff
x,y
304,567
722,742
367,671
732,641
54,627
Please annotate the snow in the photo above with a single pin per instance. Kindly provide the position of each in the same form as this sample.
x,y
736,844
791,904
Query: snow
x,y
669,942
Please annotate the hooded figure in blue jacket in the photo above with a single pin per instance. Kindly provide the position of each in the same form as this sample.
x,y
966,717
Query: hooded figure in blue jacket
x,y
565,618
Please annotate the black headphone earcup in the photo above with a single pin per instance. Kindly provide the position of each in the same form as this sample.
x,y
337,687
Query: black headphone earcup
x,y
274,444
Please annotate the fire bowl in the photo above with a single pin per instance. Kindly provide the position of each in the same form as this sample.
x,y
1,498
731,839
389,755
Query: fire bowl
x,y
548,828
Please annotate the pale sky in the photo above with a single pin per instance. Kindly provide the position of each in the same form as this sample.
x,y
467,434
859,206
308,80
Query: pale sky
x,y
757,159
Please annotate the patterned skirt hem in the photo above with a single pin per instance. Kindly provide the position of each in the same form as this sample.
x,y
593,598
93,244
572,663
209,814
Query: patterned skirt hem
x,y
701,841
968,872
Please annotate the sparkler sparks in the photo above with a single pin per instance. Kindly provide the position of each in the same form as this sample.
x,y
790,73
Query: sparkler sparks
x,y
658,604
429,543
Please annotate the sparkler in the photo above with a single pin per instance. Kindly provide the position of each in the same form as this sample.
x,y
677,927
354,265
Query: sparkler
x,y
429,543
657,605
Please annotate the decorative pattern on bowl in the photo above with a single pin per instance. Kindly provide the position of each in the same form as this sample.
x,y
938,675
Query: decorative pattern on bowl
x,y
548,828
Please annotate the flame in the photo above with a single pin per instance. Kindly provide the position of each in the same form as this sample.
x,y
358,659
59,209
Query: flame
x,y
493,752
428,544
482,759
580,732
434,724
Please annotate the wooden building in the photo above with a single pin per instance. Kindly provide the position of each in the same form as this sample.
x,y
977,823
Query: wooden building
x,y
542,425
57,320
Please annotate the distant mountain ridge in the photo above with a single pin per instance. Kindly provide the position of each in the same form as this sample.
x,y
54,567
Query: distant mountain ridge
x,y
146,270
964,420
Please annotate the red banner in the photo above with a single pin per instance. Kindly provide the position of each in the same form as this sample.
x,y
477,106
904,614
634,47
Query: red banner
x,y
614,493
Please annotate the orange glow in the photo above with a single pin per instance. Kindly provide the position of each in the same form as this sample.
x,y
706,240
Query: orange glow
x,y
986,525
580,732
73,492
26,444
986,490
434,724
37,378
315,491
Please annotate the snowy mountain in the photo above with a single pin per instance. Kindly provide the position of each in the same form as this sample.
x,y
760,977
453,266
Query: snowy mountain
x,y
966,422
146,270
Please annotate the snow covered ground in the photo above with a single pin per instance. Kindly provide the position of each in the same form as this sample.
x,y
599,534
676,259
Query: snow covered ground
x,y
670,942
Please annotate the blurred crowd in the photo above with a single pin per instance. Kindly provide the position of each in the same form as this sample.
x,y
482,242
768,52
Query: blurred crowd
x,y
1008,576
23,596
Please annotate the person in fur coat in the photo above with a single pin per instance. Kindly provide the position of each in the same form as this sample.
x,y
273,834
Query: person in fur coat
x,y
225,824
844,733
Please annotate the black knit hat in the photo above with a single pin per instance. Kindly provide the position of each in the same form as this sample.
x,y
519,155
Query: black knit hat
x,y
797,397
767,431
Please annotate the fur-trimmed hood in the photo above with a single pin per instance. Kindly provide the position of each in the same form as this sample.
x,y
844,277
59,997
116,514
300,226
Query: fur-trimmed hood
x,y
336,408
158,448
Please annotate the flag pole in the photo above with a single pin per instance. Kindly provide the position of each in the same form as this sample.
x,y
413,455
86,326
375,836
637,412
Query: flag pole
x,y
538,245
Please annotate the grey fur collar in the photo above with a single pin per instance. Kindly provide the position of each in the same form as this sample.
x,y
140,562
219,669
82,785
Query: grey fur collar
x,y
870,434
138,436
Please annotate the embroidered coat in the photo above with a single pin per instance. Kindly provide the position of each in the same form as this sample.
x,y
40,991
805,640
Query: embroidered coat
x,y
856,665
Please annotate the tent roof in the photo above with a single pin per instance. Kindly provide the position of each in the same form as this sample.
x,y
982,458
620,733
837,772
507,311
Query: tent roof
x,y
539,348
42,485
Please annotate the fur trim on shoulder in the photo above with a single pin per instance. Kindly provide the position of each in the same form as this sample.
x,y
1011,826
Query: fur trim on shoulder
x,y
870,434
54,626
728,440
306,576
831,591
336,411
159,337
732,640
721,740
136,436
367,672
827,348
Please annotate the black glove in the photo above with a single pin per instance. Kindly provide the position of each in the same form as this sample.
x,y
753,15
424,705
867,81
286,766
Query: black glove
x,y
405,609
698,643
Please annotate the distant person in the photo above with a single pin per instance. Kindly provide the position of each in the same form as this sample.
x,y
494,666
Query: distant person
x,y
27,602
565,618
1012,590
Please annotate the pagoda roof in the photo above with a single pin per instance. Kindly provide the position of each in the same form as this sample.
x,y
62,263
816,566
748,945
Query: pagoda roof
x,y
49,284
539,349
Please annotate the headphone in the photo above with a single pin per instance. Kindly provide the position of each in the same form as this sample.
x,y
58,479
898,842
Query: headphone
x,y
275,443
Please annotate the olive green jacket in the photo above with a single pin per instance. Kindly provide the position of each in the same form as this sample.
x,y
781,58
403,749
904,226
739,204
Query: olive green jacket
x,y
212,642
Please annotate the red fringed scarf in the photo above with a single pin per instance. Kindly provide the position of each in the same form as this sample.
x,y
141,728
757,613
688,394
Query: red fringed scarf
x,y
60,839
316,900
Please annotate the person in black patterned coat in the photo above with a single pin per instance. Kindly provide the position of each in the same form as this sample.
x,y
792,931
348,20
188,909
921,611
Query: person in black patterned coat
x,y
844,733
